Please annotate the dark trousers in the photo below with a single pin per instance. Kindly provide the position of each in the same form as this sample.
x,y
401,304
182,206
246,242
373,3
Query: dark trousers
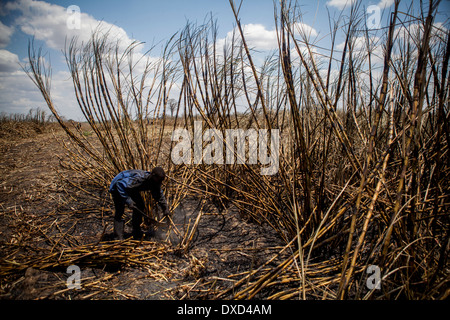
x,y
119,204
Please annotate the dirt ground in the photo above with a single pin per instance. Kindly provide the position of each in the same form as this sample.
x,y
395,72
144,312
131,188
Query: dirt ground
x,y
42,211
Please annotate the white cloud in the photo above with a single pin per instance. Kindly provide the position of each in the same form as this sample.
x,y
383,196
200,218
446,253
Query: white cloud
x,y
9,62
49,23
52,24
360,43
360,49
385,3
19,94
258,37
340,4
304,29
5,34
414,32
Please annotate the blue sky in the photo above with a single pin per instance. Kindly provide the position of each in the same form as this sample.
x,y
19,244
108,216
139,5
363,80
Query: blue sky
x,y
146,21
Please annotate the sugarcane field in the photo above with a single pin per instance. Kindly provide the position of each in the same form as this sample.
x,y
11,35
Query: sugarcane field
x,y
270,162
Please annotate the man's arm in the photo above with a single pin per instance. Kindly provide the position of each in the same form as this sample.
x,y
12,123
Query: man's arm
x,y
159,197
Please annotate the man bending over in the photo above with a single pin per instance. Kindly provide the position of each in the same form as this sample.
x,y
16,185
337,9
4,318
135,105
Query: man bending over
x,y
126,189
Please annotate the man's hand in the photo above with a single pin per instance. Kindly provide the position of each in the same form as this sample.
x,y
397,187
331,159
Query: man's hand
x,y
130,203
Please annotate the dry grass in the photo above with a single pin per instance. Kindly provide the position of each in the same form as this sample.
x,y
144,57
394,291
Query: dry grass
x,y
364,172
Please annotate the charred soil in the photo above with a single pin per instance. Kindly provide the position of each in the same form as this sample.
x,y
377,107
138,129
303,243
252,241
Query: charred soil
x,y
50,218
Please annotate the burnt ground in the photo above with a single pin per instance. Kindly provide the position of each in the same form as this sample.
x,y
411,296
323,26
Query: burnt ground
x,y
43,211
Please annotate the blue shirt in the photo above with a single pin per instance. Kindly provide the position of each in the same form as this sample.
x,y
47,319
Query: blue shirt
x,y
132,181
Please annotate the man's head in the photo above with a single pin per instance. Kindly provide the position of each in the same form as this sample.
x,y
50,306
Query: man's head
x,y
157,175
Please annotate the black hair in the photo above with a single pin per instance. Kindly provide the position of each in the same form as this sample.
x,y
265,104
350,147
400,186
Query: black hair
x,y
159,173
